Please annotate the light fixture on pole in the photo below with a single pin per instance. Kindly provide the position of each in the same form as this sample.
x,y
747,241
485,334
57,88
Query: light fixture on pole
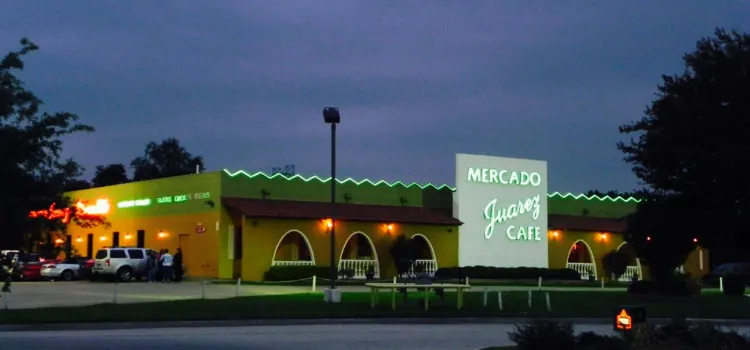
x,y
331,116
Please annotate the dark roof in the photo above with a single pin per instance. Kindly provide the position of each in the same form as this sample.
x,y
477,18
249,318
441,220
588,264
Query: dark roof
x,y
286,209
586,223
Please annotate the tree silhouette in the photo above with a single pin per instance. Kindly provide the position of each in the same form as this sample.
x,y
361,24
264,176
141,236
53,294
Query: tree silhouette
x,y
165,159
691,150
31,168
108,175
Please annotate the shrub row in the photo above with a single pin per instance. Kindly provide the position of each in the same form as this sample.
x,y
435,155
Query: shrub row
x,y
291,273
557,335
506,273
677,285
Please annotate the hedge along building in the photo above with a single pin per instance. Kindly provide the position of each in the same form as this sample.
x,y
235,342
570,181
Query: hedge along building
x,y
236,224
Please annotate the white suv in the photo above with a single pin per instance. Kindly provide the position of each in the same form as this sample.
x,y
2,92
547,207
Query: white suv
x,y
122,263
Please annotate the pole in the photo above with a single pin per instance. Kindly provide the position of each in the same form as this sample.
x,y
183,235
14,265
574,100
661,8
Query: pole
x,y
333,206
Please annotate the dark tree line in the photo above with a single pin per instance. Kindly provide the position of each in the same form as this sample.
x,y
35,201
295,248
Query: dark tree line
x,y
690,149
33,173
165,159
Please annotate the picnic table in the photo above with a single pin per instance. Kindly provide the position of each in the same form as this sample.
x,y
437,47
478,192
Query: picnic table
x,y
426,288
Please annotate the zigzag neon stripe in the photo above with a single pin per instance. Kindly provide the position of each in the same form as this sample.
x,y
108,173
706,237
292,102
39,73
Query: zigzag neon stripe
x,y
413,184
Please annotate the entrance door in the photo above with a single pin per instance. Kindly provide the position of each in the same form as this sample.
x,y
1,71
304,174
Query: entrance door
x,y
183,242
89,245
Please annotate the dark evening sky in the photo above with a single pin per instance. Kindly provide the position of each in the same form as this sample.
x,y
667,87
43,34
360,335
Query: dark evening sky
x,y
242,83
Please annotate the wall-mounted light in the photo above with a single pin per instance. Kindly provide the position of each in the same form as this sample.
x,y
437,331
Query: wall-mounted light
x,y
603,236
648,238
163,234
128,236
79,239
328,223
695,240
555,234
389,227
103,238
59,241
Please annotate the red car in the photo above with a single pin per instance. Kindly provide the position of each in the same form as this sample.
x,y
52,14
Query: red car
x,y
29,267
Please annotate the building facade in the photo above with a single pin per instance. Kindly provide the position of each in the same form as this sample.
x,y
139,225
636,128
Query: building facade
x,y
236,224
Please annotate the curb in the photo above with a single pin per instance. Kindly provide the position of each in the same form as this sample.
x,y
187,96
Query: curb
x,y
298,322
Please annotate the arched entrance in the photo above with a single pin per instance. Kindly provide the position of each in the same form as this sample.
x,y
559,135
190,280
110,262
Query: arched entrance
x,y
634,264
424,253
293,249
581,259
359,255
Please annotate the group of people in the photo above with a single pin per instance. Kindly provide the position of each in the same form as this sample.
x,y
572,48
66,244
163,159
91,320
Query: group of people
x,y
164,267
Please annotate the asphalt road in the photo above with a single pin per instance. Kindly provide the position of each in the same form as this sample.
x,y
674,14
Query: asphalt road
x,y
328,337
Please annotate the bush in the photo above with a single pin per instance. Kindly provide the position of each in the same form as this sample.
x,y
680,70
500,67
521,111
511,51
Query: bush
x,y
734,285
593,341
544,335
679,285
291,273
509,273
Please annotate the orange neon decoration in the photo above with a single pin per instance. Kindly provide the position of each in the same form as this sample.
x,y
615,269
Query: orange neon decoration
x,y
100,208
624,321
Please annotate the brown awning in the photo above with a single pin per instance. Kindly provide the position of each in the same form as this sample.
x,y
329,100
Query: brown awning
x,y
586,223
285,209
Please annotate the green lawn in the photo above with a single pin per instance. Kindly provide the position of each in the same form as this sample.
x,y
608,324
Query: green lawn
x,y
357,305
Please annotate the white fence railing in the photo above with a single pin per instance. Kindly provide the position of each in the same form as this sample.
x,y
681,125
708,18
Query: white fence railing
x,y
292,263
430,266
584,269
360,267
630,272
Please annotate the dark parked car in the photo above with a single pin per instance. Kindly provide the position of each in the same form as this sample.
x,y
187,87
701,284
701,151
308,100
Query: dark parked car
x,y
741,269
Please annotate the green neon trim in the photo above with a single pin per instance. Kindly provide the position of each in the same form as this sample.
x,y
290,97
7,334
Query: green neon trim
x,y
594,197
413,184
344,181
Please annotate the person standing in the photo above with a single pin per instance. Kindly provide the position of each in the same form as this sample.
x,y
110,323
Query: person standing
x,y
166,263
152,266
179,271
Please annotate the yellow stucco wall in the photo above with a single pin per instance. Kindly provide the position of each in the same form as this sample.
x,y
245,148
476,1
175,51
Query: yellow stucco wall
x,y
560,246
200,250
260,237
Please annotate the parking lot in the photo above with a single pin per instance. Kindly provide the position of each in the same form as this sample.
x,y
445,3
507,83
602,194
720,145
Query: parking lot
x,y
27,295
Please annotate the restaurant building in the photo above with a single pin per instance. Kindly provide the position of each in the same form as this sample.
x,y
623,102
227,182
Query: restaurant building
x,y
233,224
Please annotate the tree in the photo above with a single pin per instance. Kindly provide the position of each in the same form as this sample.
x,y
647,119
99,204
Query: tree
x,y
403,253
691,150
165,159
33,172
615,263
108,175
660,232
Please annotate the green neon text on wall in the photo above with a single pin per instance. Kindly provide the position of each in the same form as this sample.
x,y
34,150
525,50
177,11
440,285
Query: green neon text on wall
x,y
134,203
183,197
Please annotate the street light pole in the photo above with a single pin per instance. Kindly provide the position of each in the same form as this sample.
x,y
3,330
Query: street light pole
x,y
331,116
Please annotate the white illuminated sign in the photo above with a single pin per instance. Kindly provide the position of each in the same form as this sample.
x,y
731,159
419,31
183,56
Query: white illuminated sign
x,y
503,205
